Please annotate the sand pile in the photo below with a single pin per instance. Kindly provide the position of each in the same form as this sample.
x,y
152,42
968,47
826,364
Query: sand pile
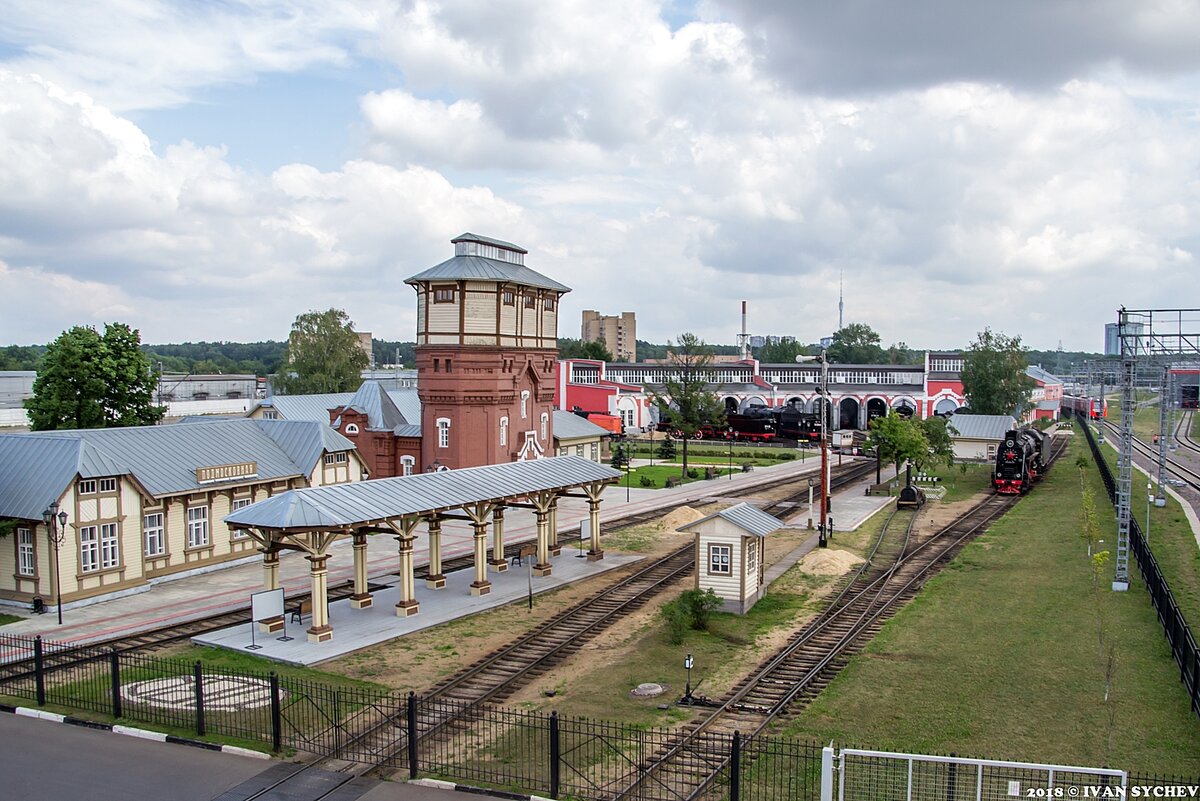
x,y
680,517
827,562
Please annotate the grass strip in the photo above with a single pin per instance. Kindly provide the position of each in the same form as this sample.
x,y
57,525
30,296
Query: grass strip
x,y
1000,656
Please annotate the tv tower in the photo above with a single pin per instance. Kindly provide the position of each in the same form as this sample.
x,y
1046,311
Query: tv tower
x,y
841,305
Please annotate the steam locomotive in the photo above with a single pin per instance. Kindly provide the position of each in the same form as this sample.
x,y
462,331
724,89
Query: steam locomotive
x,y
758,424
1019,461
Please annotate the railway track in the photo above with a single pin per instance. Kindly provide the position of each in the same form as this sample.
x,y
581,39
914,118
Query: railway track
x,y
1183,431
1181,471
377,736
166,636
687,768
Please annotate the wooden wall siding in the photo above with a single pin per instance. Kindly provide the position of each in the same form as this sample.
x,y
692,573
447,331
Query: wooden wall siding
x,y
726,586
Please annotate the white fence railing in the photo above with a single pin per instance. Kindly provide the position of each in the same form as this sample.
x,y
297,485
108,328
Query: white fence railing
x,y
872,775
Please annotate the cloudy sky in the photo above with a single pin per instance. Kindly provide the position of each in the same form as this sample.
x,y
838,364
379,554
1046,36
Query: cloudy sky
x,y
210,170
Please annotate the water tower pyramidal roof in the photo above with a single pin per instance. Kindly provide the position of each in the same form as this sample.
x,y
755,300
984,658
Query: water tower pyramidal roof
x,y
481,258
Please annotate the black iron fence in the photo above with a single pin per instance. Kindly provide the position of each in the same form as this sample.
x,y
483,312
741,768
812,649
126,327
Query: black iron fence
x,y
1179,635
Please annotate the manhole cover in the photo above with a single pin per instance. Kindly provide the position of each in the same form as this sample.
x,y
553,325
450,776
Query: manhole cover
x,y
221,693
648,690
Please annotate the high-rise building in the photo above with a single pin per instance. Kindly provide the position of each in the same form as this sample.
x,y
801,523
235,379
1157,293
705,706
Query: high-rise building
x,y
1112,337
619,334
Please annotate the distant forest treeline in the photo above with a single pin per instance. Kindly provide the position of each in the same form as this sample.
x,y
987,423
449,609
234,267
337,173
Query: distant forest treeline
x,y
264,358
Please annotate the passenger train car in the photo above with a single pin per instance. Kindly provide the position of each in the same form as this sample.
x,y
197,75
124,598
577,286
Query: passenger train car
x,y
1081,405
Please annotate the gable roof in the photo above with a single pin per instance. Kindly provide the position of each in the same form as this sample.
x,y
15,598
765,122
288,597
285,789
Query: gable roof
x,y
340,505
748,518
981,426
568,425
1036,372
317,407
36,468
381,411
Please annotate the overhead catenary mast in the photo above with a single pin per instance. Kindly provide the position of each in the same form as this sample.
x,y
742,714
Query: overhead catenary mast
x,y
841,304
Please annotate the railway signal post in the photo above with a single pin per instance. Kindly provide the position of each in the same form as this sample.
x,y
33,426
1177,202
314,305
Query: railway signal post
x,y
824,528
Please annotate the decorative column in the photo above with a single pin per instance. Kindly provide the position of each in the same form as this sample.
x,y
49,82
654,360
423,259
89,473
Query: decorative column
x,y
543,568
595,552
555,548
407,606
361,599
271,625
435,580
481,585
320,631
499,563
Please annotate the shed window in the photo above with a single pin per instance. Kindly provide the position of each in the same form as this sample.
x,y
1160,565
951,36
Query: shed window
x,y
719,558
752,556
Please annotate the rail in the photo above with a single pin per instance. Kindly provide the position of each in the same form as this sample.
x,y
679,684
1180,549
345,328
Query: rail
x,y
1179,635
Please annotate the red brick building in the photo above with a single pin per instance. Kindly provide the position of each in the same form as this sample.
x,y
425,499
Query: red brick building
x,y
487,345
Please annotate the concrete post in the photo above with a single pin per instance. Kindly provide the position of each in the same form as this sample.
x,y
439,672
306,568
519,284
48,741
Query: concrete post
x,y
481,585
595,552
361,599
555,548
407,606
543,568
271,582
498,562
320,631
435,580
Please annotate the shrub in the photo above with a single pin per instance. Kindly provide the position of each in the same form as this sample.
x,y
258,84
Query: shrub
x,y
693,473
691,610
666,450
646,481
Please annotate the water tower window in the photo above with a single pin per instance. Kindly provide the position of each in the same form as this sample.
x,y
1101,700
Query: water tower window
x,y
510,298
443,294
530,301
548,303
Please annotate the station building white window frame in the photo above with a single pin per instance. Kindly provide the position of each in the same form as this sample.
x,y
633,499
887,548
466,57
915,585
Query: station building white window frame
x,y
524,404
26,552
234,505
351,428
89,549
504,431
110,546
545,425
443,432
197,527
154,534
407,465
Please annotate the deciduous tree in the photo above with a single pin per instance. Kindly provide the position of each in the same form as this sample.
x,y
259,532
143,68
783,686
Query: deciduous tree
x,y
92,381
578,349
323,355
899,439
993,375
685,398
857,343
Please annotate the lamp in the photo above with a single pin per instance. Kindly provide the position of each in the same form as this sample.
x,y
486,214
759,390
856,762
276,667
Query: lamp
x,y
56,530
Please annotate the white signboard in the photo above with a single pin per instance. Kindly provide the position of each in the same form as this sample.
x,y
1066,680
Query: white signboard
x,y
266,604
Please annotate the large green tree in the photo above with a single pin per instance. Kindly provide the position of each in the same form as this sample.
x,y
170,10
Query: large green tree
x,y
323,355
685,398
993,375
857,343
899,439
578,349
89,380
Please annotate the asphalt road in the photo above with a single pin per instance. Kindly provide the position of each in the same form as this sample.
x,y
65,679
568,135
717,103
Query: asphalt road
x,y
45,761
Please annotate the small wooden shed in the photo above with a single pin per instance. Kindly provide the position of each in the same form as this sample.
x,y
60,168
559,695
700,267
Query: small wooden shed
x,y
729,554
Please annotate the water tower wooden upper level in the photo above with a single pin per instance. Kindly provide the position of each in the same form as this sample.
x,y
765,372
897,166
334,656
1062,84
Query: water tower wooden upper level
x,y
486,297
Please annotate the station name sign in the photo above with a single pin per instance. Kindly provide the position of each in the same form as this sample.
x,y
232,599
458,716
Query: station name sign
x,y
226,472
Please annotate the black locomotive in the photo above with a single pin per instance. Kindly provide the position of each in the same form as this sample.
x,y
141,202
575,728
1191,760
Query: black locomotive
x,y
1019,461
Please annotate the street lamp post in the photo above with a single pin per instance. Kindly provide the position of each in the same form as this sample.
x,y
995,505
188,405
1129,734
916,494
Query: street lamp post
x,y
1149,500
56,530
730,435
687,665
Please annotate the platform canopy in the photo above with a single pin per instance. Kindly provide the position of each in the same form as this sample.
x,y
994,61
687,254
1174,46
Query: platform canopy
x,y
344,507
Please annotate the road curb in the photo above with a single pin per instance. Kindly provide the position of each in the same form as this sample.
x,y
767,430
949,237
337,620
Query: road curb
x,y
129,731
438,784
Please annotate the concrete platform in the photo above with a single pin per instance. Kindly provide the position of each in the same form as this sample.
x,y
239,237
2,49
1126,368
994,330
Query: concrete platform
x,y
355,629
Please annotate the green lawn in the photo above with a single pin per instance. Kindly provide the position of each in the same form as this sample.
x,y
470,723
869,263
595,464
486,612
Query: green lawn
x,y
1000,657
1172,541
717,454
961,480
658,475
6,619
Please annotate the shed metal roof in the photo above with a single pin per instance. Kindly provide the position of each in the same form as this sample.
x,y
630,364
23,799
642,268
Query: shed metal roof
x,y
748,518
479,268
568,425
345,505
982,426
36,468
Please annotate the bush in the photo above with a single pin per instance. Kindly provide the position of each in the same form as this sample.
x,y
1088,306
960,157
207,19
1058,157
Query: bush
x,y
691,610
666,450
693,473
646,481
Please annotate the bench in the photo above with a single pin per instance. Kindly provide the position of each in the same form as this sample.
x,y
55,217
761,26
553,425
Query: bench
x,y
710,473
301,609
524,551
746,468
672,481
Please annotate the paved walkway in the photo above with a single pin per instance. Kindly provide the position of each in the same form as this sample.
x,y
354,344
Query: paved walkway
x,y
229,586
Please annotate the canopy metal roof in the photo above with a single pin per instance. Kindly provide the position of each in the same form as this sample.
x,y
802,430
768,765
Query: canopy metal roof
x,y
748,518
362,503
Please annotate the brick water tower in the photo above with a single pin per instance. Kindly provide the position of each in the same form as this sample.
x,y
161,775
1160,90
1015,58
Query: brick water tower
x,y
487,345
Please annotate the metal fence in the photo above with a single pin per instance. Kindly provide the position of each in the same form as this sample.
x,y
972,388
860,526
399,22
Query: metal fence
x,y
1179,635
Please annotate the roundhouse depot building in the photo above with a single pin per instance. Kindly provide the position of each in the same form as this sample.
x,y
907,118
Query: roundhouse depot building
x,y
148,503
